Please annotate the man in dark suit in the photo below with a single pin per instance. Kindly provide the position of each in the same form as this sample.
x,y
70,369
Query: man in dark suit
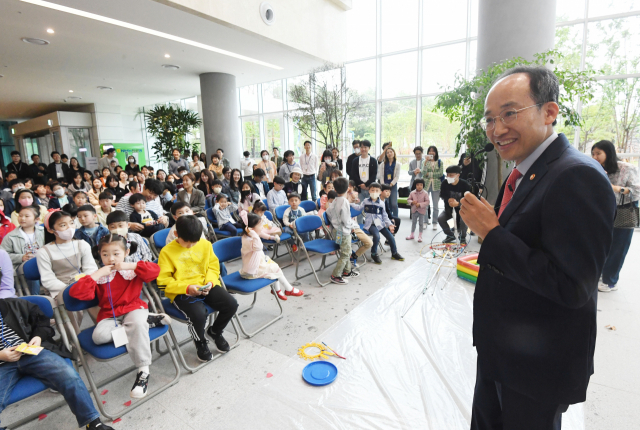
x,y
18,167
58,171
349,164
545,243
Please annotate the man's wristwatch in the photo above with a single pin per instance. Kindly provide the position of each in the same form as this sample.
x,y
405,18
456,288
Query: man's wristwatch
x,y
622,190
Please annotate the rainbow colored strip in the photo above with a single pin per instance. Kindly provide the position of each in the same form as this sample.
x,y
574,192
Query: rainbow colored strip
x,y
467,267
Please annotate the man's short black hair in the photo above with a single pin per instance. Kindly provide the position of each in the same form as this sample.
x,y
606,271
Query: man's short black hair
x,y
225,170
87,208
543,83
292,195
189,228
110,150
279,180
135,198
355,142
15,181
341,185
34,155
221,150
64,156
117,216
385,187
258,173
454,169
105,195
177,206
54,153
418,148
246,153
181,168
154,186
15,153
365,143
305,142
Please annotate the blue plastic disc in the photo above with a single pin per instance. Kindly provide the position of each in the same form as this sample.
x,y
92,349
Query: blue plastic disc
x,y
320,373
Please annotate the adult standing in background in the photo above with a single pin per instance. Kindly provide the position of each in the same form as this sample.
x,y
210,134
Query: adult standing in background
x,y
223,161
384,151
626,186
545,244
432,173
367,168
415,166
327,166
57,170
246,165
74,166
389,173
268,166
18,167
277,160
106,161
38,170
176,163
308,164
335,152
351,174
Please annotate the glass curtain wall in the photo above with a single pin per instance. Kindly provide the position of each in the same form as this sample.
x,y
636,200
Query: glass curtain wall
x,y
604,36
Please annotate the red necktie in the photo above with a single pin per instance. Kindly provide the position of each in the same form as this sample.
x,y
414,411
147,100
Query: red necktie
x,y
509,189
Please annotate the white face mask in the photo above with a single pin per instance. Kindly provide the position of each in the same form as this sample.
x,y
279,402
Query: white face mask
x,y
217,190
265,157
327,160
66,234
356,151
122,231
18,188
59,192
132,160
451,180
374,195
184,172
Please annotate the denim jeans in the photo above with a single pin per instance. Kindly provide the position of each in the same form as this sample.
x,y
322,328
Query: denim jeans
x,y
376,239
435,201
393,200
362,194
309,181
617,253
34,287
303,236
55,373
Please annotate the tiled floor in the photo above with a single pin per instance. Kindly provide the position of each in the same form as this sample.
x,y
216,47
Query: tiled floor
x,y
203,400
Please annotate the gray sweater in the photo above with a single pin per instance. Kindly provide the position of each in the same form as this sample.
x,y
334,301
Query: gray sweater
x,y
14,243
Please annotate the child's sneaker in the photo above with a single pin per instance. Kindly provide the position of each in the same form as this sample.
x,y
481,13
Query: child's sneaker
x,y
397,257
410,237
221,343
376,259
351,274
420,237
295,292
98,425
276,238
139,389
202,350
158,320
337,280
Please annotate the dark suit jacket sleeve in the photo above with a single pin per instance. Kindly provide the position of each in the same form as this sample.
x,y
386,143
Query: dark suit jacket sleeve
x,y
355,172
576,231
373,171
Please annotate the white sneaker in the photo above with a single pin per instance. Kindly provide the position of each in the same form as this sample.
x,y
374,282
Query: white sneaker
x,y
139,389
435,226
607,288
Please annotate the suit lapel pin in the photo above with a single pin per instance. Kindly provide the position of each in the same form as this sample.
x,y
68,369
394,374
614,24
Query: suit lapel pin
x,y
532,177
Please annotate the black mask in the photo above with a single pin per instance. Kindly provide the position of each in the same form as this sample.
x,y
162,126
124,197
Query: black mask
x,y
245,193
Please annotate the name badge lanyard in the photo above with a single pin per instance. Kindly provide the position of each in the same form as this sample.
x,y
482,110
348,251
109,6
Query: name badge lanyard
x,y
111,303
65,257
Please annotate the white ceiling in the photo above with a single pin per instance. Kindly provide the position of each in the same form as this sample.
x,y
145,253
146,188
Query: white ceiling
x,y
85,53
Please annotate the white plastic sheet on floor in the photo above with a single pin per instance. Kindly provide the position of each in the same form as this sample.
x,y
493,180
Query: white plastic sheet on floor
x,y
411,373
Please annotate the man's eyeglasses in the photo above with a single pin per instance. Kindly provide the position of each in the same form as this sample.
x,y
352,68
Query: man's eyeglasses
x,y
507,116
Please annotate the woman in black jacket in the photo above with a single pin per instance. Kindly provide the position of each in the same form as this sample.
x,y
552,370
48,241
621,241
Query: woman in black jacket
x,y
74,166
132,167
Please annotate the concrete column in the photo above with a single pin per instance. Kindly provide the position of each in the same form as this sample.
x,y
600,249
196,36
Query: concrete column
x,y
220,116
508,29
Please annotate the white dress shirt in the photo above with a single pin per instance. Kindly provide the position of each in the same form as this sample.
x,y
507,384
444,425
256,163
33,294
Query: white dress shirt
x,y
528,162
309,164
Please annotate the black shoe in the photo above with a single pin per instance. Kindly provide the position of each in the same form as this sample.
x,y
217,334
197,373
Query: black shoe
x,y
472,234
376,259
158,320
97,425
386,242
463,241
353,256
221,344
351,274
202,350
449,239
337,280
139,389
397,257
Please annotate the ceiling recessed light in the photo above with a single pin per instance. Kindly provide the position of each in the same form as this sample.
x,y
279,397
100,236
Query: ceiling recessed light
x,y
104,88
150,31
35,41
70,91
171,66
50,30
167,56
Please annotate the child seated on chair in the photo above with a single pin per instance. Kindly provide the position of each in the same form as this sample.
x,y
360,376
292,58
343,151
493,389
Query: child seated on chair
x,y
117,286
91,232
257,265
105,199
223,211
189,276
177,210
63,260
59,197
268,231
22,244
324,197
276,196
292,214
140,215
352,194
294,185
118,223
247,197
24,322
377,222
339,213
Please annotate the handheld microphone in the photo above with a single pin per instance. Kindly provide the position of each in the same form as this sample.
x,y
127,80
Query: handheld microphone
x,y
487,148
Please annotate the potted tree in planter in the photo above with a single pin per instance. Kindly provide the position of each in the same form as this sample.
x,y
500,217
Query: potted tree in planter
x,y
169,125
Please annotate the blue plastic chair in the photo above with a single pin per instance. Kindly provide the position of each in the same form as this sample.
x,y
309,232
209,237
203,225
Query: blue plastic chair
x,y
284,238
265,201
279,213
158,241
220,234
107,352
31,271
355,213
308,206
230,250
29,386
322,247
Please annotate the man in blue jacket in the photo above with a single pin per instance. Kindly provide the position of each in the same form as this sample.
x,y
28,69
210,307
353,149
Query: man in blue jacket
x,y
545,243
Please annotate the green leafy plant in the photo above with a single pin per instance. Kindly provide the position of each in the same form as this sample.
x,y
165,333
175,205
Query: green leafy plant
x,y
464,103
169,125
